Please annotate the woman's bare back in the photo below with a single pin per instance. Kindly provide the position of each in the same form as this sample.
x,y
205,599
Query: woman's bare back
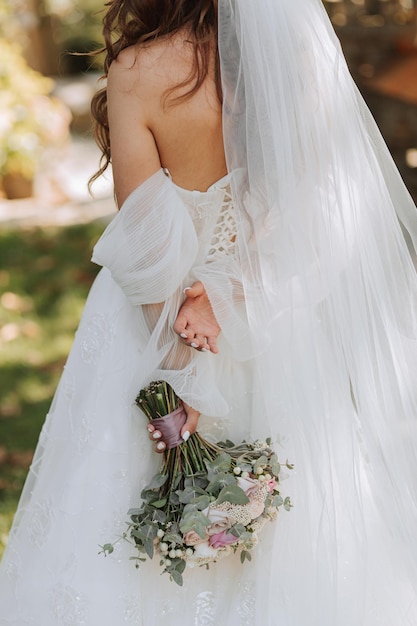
x,y
149,129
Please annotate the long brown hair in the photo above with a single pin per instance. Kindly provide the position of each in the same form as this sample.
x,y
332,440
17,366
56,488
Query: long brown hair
x,y
128,22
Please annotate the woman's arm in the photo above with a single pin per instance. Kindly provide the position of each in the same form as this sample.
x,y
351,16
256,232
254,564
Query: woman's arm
x,y
135,157
134,154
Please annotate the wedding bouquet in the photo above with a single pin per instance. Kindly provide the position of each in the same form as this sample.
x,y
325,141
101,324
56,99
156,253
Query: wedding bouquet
x,y
208,500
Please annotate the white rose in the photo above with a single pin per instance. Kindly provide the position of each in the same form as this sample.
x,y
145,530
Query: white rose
x,y
204,551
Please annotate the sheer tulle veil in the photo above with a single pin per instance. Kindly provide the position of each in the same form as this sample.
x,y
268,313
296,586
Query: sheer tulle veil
x,y
330,292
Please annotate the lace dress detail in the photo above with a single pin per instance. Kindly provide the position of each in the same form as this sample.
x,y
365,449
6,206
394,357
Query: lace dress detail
x,y
224,236
214,217
68,606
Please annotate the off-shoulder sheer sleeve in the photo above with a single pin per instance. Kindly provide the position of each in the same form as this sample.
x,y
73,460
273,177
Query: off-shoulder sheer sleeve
x,y
151,244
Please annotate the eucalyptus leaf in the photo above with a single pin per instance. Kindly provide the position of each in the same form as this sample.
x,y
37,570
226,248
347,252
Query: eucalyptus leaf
x,y
176,577
277,501
232,494
260,463
157,481
220,464
134,512
177,565
275,466
219,481
178,479
171,537
108,548
148,494
174,498
158,504
189,508
202,502
159,516
189,494
200,480
236,530
149,547
194,521
245,555
226,444
287,504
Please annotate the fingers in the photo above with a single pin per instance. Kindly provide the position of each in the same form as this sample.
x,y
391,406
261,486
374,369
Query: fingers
x,y
196,289
160,447
199,342
155,436
180,326
212,345
191,424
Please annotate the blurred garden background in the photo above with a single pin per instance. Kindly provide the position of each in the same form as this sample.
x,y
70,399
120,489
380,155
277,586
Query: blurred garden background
x,y
49,222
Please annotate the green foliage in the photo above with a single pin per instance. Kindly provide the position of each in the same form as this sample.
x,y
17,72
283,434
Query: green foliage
x,y
76,22
45,276
195,520
233,494
65,26
30,118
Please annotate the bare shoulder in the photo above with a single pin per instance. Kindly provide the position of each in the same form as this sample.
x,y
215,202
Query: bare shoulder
x,y
148,70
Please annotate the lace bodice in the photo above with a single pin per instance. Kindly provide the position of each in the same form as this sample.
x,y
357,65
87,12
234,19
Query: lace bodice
x,y
214,218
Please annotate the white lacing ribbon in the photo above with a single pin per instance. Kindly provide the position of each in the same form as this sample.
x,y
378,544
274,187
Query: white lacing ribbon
x,y
224,235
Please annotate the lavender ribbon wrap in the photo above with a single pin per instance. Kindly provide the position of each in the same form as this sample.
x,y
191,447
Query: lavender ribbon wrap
x,y
170,427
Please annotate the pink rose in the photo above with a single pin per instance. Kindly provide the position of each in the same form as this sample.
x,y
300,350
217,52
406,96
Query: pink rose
x,y
222,539
271,484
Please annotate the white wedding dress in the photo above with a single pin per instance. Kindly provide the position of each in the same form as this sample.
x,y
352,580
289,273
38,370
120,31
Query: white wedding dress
x,y
303,257
94,455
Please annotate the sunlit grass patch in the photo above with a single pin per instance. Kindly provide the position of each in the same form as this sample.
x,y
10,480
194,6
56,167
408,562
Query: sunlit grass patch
x,y
45,276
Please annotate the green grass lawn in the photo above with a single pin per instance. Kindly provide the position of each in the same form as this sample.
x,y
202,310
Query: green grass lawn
x,y
45,275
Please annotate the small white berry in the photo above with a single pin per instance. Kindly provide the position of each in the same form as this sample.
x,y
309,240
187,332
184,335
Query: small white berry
x,y
172,554
163,547
189,552
268,477
179,553
237,471
160,533
245,474
259,470
262,478
167,562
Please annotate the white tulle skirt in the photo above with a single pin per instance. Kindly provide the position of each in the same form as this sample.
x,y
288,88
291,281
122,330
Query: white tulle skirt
x,y
93,459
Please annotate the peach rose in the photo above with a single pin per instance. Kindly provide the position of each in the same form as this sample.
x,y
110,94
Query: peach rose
x,y
220,520
193,539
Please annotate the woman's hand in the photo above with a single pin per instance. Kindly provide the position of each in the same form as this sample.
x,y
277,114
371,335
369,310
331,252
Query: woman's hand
x,y
196,323
190,426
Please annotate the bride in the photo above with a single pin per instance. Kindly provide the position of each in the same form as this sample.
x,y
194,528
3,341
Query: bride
x,y
258,264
